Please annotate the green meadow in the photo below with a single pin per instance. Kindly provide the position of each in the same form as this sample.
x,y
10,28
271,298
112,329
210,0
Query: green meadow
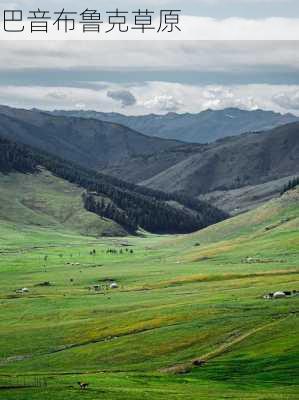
x,y
179,299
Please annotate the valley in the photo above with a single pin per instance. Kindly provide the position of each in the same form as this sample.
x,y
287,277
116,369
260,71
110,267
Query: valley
x,y
139,267
179,299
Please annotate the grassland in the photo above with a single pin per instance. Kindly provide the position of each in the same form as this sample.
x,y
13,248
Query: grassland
x,y
180,299
43,200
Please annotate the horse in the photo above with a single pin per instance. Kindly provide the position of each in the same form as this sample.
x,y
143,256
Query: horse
x,y
199,363
83,386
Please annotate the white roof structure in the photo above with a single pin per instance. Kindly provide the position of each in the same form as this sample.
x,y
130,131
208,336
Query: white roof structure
x,y
279,294
113,285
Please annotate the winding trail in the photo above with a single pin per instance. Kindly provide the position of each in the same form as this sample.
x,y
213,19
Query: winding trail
x,y
222,349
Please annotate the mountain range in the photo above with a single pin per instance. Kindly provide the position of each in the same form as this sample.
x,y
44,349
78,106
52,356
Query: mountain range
x,y
204,127
234,162
87,142
234,173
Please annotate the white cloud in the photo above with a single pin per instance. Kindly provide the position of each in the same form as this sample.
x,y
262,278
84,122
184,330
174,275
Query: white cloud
x,y
194,98
163,103
288,101
84,62
156,97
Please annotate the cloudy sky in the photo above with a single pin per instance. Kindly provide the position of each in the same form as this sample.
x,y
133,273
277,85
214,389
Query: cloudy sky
x,y
210,8
150,77
159,76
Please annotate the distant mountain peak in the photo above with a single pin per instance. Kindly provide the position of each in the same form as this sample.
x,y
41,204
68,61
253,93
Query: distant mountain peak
x,y
203,127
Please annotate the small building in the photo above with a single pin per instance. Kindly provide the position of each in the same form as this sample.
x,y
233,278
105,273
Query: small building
x,y
279,295
113,285
22,290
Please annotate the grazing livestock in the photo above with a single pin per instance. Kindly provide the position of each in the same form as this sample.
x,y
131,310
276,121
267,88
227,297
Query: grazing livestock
x,y
199,363
268,296
111,251
46,283
118,252
83,386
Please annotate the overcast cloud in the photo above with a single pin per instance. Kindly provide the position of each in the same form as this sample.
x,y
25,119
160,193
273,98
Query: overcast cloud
x,y
144,77
210,8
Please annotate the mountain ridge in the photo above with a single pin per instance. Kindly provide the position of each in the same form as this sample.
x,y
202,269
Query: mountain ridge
x,y
234,162
88,142
203,127
199,170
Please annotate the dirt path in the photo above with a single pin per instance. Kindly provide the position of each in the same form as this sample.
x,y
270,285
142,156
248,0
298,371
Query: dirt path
x,y
224,348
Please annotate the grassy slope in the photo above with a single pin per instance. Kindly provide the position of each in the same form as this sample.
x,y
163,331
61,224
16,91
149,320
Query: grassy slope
x,y
177,301
237,201
47,201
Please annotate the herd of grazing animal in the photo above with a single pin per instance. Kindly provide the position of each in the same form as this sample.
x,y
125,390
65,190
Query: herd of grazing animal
x,y
121,251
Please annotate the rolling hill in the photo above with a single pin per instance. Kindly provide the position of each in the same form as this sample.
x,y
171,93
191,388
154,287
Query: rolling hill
x,y
47,201
204,127
53,188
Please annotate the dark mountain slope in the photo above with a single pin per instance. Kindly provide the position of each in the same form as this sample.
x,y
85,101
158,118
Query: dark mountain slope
x,y
202,127
248,159
90,143
143,167
229,164
128,205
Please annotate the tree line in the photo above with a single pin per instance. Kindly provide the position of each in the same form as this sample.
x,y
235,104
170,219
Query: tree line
x,y
290,185
129,205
